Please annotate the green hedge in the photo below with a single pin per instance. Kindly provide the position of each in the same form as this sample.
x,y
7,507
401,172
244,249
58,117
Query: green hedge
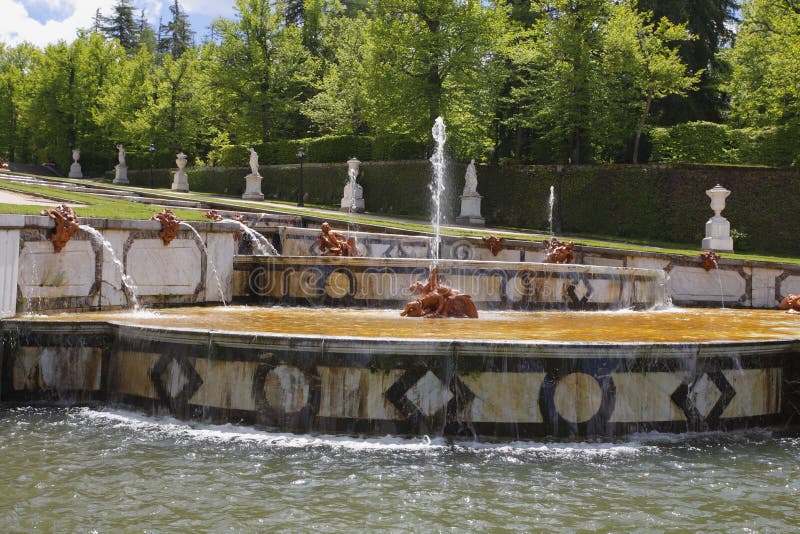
x,y
707,142
650,202
326,149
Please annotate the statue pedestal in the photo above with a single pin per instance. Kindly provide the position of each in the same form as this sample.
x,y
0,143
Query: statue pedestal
x,y
75,171
180,181
718,235
252,189
121,176
471,210
348,203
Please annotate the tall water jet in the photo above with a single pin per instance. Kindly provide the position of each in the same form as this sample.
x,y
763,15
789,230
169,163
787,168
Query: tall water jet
x,y
550,203
437,186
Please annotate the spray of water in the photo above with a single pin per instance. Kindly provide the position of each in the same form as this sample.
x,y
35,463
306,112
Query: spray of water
x,y
437,186
551,203
210,261
129,288
261,245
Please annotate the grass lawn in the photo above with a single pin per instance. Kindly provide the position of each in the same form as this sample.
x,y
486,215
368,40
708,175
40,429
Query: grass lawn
x,y
104,207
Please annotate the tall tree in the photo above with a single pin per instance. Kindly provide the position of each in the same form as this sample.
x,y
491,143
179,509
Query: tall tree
x,y
122,25
642,64
16,64
176,36
430,52
710,21
765,85
261,71
559,58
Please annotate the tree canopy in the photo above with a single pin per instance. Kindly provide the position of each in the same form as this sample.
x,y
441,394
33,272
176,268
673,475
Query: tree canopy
x,y
541,81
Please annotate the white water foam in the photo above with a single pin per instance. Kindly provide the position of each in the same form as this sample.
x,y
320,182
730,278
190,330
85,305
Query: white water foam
x,y
182,431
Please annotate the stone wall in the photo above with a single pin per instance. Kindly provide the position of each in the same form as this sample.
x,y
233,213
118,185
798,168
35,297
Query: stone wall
x,y
88,273
506,390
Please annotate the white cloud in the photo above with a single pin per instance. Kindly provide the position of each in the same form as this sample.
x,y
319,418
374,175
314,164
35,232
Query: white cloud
x,y
21,18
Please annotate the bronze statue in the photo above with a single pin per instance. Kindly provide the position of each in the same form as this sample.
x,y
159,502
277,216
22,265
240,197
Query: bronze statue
x,y
495,244
438,300
66,225
558,252
213,215
169,225
333,243
790,303
709,260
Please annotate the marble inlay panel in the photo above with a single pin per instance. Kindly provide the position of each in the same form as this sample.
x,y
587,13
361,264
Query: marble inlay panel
x,y
645,397
357,393
129,373
504,397
226,384
757,392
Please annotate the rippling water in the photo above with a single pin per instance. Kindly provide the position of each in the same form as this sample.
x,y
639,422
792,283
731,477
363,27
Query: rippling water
x,y
79,469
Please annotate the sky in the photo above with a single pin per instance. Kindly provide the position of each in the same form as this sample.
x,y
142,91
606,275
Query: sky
x,y
43,22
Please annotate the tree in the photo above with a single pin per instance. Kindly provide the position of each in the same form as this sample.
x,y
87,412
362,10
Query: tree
x,y
175,37
765,84
430,53
642,63
15,66
558,58
710,21
260,71
342,98
122,26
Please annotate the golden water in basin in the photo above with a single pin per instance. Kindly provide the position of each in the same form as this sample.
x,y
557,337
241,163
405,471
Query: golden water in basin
x,y
667,326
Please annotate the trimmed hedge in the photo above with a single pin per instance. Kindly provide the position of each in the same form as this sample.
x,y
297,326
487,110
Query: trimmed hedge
x,y
326,149
708,142
652,202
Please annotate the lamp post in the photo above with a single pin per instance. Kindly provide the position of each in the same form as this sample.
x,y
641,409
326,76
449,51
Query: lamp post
x,y
152,150
301,155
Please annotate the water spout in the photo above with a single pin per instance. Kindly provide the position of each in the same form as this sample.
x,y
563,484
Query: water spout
x,y
128,287
551,203
437,186
261,245
210,260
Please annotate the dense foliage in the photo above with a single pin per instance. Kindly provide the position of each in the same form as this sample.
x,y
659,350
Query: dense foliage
x,y
538,81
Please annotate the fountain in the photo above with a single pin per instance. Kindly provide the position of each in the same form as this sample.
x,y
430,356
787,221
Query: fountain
x,y
437,186
505,373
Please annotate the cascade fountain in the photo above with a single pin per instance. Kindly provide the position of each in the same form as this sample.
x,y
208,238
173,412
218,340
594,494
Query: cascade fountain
x,y
509,374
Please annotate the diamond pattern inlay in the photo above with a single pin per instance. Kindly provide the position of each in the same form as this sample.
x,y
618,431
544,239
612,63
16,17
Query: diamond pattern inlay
x,y
704,395
429,394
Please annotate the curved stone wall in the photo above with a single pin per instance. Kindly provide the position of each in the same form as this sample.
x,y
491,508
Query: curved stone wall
x,y
316,384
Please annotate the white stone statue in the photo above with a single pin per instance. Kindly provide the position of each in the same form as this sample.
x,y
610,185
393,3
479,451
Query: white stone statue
x,y
75,169
471,179
121,155
470,199
121,175
252,182
253,162
181,179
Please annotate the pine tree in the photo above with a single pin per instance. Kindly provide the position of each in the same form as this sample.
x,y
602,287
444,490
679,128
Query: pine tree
x,y
175,37
122,26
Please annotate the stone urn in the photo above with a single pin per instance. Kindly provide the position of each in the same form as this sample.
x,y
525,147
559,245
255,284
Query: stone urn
x,y
353,195
718,229
75,169
181,179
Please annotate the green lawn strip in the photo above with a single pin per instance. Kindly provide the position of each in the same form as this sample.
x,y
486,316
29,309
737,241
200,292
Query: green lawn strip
x,y
124,209
96,206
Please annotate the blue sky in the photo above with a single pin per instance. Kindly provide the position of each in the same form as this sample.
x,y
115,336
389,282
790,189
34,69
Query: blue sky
x,y
42,22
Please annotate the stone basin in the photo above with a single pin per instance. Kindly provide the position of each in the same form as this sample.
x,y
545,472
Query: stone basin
x,y
508,375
